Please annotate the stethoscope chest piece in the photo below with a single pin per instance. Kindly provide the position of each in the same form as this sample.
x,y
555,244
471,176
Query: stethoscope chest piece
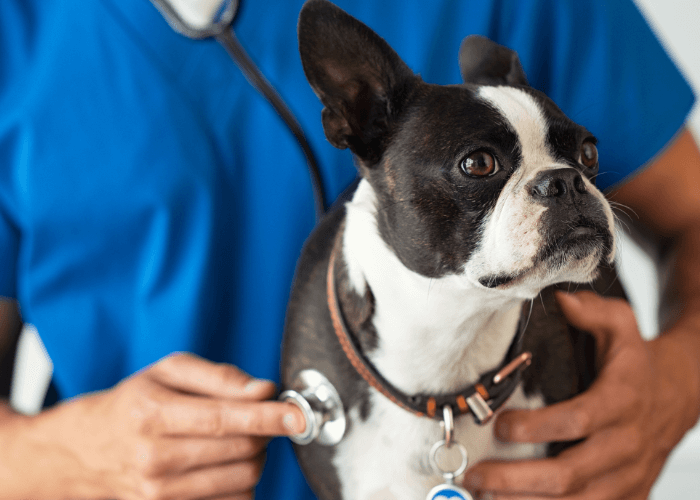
x,y
323,410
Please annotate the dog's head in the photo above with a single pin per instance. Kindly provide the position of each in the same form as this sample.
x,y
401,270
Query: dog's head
x,y
488,179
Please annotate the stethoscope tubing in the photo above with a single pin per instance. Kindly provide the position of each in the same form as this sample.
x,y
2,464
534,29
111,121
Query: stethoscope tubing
x,y
222,30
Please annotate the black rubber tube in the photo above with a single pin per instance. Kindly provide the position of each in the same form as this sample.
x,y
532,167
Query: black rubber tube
x,y
259,82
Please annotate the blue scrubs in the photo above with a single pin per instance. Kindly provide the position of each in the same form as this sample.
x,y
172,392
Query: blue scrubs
x,y
151,201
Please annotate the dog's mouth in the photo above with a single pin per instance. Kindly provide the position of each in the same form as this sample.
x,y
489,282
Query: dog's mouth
x,y
584,239
578,241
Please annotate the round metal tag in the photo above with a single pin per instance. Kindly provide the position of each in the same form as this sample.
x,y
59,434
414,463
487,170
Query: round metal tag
x,y
449,492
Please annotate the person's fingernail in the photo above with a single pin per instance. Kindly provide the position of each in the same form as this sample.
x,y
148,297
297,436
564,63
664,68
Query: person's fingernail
x,y
255,385
292,423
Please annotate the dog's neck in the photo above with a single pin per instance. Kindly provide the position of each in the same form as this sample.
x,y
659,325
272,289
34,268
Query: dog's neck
x,y
434,335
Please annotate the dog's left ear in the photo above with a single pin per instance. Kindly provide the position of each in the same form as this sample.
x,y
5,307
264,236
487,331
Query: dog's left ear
x,y
361,81
485,62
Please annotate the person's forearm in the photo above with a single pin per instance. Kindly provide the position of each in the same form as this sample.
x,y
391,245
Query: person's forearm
x,y
33,463
664,196
683,291
23,463
15,476
682,334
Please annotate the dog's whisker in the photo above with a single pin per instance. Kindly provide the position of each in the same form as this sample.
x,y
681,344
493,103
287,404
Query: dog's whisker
x,y
544,308
593,177
622,208
610,285
618,220
529,314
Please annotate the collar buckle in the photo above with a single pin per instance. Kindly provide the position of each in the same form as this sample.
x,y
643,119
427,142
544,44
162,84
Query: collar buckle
x,y
478,402
480,408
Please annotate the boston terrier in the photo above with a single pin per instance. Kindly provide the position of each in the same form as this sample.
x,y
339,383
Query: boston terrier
x,y
415,297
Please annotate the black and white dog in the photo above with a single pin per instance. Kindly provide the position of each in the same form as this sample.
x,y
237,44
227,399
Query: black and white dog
x,y
473,199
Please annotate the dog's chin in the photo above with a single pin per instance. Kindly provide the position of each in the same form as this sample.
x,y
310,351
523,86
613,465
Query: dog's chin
x,y
574,245
573,256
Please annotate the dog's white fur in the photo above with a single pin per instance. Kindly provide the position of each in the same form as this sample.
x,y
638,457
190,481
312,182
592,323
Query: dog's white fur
x,y
438,335
432,338
511,241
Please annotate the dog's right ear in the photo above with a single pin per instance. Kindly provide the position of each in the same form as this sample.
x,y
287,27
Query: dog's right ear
x,y
359,79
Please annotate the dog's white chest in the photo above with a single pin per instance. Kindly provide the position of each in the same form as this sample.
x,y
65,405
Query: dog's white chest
x,y
386,456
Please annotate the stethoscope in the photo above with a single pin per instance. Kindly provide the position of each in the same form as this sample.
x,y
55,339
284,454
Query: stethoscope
x,y
200,19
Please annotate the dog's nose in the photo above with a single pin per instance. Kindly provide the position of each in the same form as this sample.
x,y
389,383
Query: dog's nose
x,y
557,184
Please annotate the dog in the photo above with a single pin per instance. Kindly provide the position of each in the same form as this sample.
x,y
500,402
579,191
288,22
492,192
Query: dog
x,y
473,200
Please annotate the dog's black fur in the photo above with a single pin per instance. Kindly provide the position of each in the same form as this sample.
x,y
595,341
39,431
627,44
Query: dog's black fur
x,y
408,137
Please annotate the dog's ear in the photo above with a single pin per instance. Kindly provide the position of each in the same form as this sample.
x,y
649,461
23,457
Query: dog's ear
x,y
485,62
360,80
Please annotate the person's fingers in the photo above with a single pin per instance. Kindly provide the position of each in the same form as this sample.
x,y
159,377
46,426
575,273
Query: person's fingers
x,y
528,477
613,395
622,483
248,495
610,321
599,407
594,495
232,479
615,417
175,455
185,415
566,474
189,373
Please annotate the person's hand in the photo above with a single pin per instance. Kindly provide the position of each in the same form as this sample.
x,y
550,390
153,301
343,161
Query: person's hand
x,y
182,428
636,411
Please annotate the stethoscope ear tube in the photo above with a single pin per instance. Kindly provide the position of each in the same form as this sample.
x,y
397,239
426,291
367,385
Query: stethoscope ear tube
x,y
198,20
257,79
218,25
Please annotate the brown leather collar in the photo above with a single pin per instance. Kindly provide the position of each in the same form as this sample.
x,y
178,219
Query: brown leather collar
x,y
482,399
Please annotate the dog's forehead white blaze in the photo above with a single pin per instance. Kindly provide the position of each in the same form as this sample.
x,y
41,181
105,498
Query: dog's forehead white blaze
x,y
527,120
510,240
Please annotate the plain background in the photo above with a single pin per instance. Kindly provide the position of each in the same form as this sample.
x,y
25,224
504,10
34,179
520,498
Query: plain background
x,y
676,24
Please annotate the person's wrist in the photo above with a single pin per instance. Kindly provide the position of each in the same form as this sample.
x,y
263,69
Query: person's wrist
x,y
677,365
6,411
41,458
15,462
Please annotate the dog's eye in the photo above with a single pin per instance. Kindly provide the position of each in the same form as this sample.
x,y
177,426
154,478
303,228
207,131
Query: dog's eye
x,y
479,164
589,154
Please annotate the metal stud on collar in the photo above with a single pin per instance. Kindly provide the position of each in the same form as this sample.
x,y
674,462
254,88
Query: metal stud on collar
x,y
520,362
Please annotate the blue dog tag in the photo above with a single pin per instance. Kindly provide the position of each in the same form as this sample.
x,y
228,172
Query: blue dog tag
x,y
448,492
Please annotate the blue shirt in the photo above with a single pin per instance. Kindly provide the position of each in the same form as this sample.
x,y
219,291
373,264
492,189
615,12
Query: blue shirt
x,y
151,201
